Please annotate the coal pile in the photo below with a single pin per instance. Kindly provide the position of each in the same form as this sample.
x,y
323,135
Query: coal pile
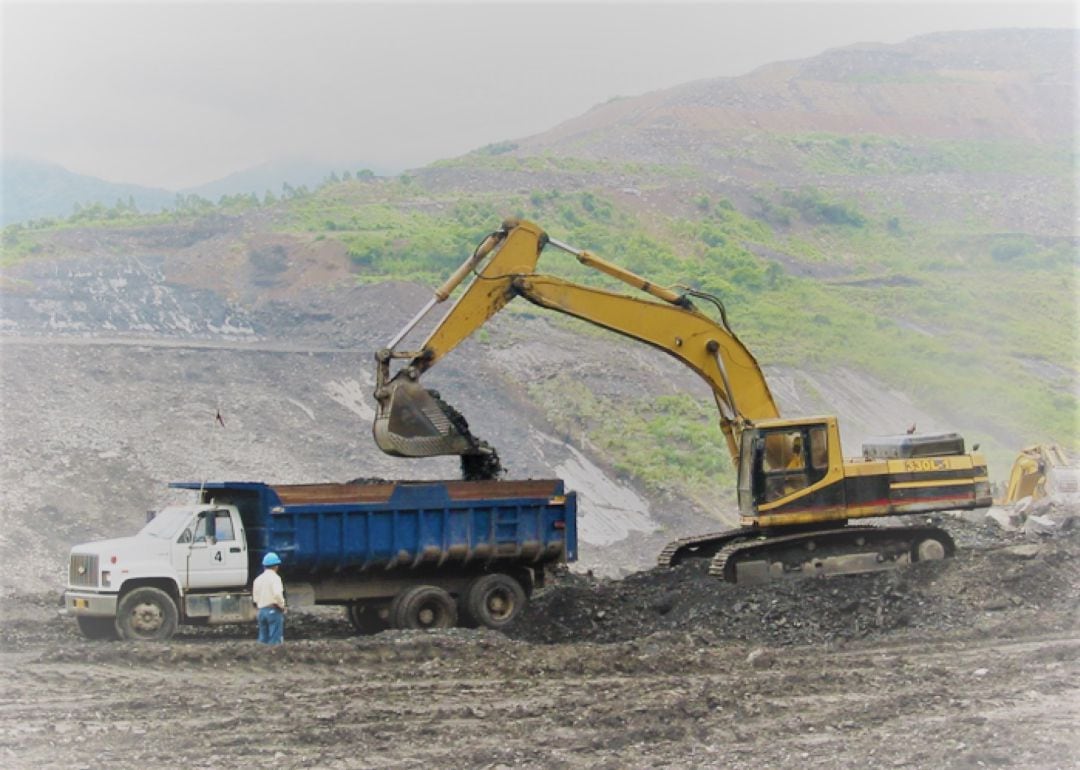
x,y
999,572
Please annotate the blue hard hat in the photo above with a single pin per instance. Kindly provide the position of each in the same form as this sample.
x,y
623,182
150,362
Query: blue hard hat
x,y
271,560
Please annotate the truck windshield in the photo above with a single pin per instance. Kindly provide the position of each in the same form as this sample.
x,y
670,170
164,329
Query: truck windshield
x,y
167,522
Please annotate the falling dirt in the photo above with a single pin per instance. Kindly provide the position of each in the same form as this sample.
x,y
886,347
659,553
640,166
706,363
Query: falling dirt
x,y
966,663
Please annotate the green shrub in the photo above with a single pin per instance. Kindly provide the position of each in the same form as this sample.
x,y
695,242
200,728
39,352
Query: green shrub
x,y
815,208
1011,247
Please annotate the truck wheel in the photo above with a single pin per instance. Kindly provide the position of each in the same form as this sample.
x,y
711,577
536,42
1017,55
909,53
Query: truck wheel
x,y
494,600
97,628
365,618
424,607
146,614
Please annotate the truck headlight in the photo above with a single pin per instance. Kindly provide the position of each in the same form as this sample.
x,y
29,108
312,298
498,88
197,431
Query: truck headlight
x,y
106,578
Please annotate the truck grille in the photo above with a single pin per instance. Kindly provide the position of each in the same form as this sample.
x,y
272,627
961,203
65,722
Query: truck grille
x,y
84,570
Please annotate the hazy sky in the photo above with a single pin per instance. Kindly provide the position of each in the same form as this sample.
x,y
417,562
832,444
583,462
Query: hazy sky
x,y
177,94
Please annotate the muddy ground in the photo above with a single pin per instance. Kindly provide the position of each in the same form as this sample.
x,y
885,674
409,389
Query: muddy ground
x,y
967,663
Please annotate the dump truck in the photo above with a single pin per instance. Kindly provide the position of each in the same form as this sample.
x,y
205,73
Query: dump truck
x,y
413,555
797,493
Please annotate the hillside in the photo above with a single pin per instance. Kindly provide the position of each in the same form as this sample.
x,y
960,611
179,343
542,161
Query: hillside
x,y
889,227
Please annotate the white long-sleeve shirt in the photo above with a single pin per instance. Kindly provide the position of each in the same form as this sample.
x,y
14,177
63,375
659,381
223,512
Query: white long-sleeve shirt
x,y
268,590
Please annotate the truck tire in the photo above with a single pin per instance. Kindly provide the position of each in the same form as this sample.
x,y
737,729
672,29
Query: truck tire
x,y
97,628
424,607
494,600
146,614
365,618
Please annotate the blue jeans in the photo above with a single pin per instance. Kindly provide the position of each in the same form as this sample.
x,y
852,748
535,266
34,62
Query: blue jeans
x,y
271,625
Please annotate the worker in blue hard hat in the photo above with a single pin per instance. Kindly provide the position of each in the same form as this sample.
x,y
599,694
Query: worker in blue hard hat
x,y
268,593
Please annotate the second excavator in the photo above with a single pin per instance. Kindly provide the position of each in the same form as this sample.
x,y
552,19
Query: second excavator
x,y
1042,470
797,494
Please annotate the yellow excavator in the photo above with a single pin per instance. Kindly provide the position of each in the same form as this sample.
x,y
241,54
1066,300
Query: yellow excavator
x,y
796,492
1039,471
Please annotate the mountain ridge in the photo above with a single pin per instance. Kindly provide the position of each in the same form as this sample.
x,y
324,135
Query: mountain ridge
x,y
34,188
786,96
37,189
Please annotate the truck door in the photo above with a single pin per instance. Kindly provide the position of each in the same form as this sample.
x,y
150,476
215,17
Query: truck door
x,y
212,552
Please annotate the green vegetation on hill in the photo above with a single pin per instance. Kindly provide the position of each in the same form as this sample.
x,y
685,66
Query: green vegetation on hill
x,y
668,443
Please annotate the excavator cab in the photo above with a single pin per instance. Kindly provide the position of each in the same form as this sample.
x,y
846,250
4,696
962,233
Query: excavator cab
x,y
783,462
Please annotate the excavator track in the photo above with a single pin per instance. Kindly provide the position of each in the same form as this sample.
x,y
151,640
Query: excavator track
x,y
700,546
821,553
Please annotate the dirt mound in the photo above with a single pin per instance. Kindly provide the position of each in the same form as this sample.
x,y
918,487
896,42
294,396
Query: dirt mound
x,y
991,572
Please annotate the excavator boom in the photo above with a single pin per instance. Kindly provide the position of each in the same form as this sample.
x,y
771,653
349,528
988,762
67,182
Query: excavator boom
x,y
411,422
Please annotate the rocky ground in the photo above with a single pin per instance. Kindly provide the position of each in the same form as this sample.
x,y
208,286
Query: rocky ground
x,y
973,662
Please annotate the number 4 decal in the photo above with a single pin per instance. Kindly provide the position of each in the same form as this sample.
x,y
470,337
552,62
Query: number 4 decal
x,y
217,556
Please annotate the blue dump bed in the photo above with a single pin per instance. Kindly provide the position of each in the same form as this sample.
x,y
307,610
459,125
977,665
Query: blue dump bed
x,y
335,528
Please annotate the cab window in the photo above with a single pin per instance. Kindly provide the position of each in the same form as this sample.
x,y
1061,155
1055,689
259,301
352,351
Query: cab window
x,y
819,450
783,464
200,529
792,460
224,526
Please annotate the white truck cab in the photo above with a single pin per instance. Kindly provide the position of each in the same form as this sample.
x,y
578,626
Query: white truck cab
x,y
397,554
188,564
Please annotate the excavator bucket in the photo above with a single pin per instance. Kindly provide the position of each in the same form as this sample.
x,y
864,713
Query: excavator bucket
x,y
414,422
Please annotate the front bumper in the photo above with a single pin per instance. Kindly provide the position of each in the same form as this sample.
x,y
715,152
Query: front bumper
x,y
90,604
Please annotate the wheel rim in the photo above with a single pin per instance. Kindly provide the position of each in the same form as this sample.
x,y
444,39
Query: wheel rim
x,y
427,616
146,618
500,604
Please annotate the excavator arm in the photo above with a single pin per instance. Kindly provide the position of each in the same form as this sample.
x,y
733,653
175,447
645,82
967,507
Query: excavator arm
x,y
412,422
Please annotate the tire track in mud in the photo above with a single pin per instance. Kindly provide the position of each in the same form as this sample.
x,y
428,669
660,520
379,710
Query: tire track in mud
x,y
410,702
